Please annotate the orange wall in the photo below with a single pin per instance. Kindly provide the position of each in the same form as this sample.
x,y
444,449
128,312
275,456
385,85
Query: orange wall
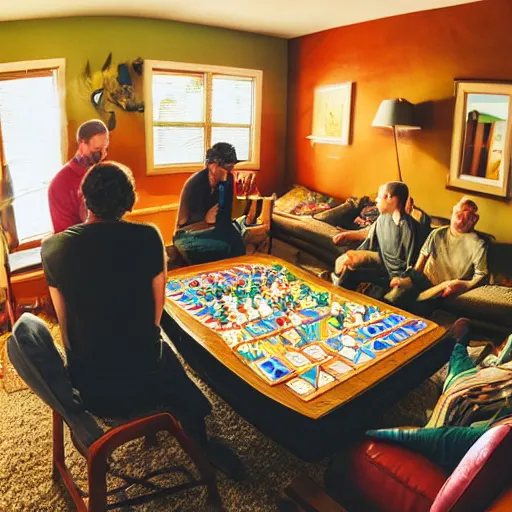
x,y
92,38
417,57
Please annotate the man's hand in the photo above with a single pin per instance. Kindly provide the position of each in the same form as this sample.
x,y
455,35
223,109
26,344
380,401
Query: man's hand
x,y
454,287
339,238
211,214
347,260
400,282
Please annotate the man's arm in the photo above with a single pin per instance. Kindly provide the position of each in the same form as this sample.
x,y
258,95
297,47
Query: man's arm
x,y
160,279
60,309
159,296
183,208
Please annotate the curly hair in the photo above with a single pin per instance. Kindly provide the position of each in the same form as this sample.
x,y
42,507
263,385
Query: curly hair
x,y
109,190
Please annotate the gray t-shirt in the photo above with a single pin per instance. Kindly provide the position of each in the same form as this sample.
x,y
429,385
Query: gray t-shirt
x,y
397,244
449,256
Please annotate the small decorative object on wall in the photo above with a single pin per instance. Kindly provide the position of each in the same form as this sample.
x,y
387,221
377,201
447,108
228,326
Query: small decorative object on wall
x,y
482,133
109,88
331,114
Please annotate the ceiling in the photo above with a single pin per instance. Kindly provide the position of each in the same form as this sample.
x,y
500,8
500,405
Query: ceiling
x,y
282,18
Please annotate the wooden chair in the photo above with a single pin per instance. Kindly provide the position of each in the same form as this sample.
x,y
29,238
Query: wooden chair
x,y
98,467
257,231
24,280
34,354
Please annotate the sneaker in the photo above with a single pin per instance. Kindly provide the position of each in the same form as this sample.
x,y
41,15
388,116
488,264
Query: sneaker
x,y
225,460
505,354
335,279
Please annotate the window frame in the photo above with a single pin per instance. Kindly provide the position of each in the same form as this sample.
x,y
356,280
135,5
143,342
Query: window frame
x,y
152,67
58,65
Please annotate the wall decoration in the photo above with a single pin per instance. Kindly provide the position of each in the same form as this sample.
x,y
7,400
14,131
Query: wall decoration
x,y
331,114
481,142
110,88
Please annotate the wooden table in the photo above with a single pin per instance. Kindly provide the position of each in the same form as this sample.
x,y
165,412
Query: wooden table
x,y
215,361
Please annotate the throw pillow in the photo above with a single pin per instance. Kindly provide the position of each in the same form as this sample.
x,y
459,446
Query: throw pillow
x,y
481,475
287,202
446,446
310,207
342,215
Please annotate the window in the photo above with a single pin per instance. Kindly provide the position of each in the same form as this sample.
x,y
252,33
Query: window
x,y
33,138
189,107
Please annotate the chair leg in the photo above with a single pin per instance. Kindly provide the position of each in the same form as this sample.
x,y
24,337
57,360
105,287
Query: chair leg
x,y
58,445
59,463
97,477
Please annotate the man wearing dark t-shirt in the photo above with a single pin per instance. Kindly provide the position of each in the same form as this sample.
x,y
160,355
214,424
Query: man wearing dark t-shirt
x,y
107,283
204,227
390,248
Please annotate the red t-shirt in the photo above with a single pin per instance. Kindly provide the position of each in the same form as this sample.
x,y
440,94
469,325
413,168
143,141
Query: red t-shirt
x,y
67,207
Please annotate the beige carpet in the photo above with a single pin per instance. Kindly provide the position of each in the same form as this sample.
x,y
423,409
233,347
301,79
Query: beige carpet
x,y
25,456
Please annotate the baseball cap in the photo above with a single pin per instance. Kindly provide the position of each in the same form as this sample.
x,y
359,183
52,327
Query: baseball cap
x,y
223,153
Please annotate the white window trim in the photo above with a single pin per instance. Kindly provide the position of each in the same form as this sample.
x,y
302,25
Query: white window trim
x,y
59,65
152,65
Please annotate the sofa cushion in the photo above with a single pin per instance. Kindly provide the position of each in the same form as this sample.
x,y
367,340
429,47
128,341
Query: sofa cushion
x,y
384,477
481,475
490,303
342,215
445,446
500,269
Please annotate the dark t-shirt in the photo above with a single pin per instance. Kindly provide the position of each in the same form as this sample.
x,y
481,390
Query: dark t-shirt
x,y
398,244
197,197
105,272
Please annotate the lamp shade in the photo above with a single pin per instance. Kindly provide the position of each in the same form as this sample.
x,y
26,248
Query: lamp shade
x,y
397,112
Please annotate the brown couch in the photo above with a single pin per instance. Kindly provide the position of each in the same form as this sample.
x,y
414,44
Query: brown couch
x,y
489,305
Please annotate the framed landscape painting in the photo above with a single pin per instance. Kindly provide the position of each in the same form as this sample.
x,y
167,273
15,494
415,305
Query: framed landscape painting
x,y
482,133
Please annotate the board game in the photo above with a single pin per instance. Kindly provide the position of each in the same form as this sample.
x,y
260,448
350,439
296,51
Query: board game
x,y
287,331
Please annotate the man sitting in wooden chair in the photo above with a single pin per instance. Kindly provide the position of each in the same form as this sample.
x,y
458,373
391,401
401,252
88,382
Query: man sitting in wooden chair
x,y
107,283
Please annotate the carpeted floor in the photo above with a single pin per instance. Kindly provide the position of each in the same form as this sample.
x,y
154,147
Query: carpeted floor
x,y
25,456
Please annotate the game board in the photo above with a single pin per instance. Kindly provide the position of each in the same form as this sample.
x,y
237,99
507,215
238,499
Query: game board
x,y
288,331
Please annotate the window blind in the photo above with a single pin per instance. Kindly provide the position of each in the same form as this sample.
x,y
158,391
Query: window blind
x,y
30,122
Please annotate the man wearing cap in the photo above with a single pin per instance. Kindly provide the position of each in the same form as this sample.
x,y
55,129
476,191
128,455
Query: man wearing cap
x,y
67,206
204,228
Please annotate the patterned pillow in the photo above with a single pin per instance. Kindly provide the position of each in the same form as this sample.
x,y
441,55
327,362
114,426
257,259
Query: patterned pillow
x,y
287,202
310,207
302,201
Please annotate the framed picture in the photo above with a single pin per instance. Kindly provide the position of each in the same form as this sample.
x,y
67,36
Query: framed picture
x,y
481,142
331,114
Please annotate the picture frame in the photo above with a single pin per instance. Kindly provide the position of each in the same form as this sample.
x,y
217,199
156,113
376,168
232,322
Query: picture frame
x,y
482,137
332,109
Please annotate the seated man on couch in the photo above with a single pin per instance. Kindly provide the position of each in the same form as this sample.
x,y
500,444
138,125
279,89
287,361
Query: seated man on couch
x,y
452,261
390,248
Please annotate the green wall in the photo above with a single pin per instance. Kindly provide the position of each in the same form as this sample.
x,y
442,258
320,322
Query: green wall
x,y
93,38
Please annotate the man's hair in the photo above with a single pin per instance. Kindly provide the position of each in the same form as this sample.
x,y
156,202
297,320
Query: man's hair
x,y
466,201
398,189
109,190
221,153
86,131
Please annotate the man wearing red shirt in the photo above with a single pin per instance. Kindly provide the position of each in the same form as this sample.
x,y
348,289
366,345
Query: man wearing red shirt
x,y
67,206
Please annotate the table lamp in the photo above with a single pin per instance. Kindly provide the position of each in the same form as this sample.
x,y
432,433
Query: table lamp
x,y
396,113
